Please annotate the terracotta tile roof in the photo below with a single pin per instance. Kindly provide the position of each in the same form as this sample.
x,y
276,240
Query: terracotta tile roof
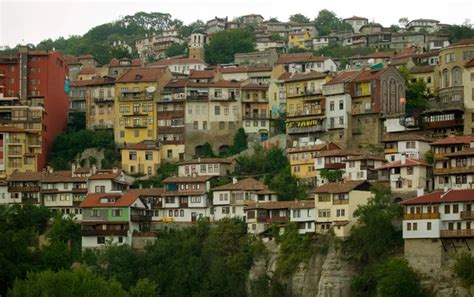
x,y
87,70
177,83
71,60
356,18
405,53
86,56
141,74
270,205
105,175
365,157
208,161
147,192
470,63
343,77
463,42
196,74
337,152
390,137
249,68
173,61
183,193
24,176
295,58
248,184
375,55
11,129
226,84
342,187
422,69
105,80
61,176
143,145
316,147
85,169
121,200
284,76
466,139
187,179
367,75
452,195
133,63
306,76
265,192
408,163
252,86
426,54
82,83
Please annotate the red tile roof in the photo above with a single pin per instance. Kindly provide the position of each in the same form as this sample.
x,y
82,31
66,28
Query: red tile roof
x,y
208,161
390,137
466,139
133,63
470,63
187,179
452,195
143,145
463,42
105,175
121,200
177,83
316,147
343,77
141,74
24,176
342,187
172,61
422,69
300,58
147,192
356,18
196,74
252,86
249,68
306,76
367,75
183,193
11,129
61,176
248,184
87,70
408,163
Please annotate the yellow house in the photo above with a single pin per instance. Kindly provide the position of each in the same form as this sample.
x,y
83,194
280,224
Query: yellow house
x,y
141,158
302,159
100,111
335,205
305,104
136,93
299,39
428,74
276,89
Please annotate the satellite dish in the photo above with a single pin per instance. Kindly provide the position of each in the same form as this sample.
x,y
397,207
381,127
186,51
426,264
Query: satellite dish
x,y
150,89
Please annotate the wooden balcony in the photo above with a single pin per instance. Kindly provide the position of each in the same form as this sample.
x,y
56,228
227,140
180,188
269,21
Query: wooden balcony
x,y
27,189
170,129
334,166
140,217
453,170
422,216
467,215
457,233
170,114
340,201
277,220
104,232
297,130
393,150
444,124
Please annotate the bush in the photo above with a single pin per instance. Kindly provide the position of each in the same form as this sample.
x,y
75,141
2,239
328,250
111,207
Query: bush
x,y
294,250
464,268
396,279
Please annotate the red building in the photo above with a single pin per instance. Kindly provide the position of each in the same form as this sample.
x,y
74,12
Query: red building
x,y
33,79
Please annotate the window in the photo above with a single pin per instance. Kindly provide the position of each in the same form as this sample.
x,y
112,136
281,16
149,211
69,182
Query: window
x,y
331,106
95,213
132,155
455,208
116,212
456,74
221,125
100,189
169,154
411,144
341,120
217,110
149,156
181,213
415,226
341,104
101,240
195,125
409,170
447,209
409,226
120,239
428,226
226,111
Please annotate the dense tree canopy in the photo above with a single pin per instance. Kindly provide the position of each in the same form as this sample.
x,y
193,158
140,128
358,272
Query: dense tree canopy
x,y
225,44
299,18
327,21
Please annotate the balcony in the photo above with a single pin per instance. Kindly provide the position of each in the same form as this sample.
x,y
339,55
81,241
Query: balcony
x,y
103,126
467,215
170,114
277,220
256,100
310,112
136,126
444,124
296,130
334,165
172,141
141,218
453,170
197,97
25,189
392,150
255,117
422,216
457,233
170,129
340,201
135,97
104,232
103,99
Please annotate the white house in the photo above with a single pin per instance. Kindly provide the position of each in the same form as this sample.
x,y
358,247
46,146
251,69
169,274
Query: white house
x,y
107,181
207,167
303,214
410,146
180,65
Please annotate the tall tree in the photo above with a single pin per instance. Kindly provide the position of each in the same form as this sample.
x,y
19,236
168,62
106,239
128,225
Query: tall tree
x,y
225,44
299,18
326,21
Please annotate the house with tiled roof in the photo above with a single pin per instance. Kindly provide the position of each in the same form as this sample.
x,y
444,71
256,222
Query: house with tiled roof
x,y
229,200
302,158
436,225
333,159
406,177
100,103
107,181
207,167
306,62
356,22
363,167
117,67
335,204
142,158
113,218
180,64
23,188
412,146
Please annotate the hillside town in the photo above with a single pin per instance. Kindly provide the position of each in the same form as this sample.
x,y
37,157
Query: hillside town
x,y
400,116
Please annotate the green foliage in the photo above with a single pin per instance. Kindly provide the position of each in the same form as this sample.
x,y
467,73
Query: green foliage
x,y
464,268
165,170
299,18
77,121
206,151
56,256
396,279
265,286
240,142
327,21
81,282
286,185
26,217
416,94
429,157
144,288
225,44
70,143
294,250
176,50
66,230
375,236
458,32
332,175
295,50
186,30
273,20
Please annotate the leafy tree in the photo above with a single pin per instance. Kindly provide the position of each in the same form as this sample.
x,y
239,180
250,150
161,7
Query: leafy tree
x,y
464,268
374,236
286,186
206,151
394,28
403,22
144,288
396,279
273,20
176,50
275,37
295,50
327,21
56,256
81,282
294,249
225,44
240,142
416,94
299,18
332,175
66,230
458,32
186,30
77,121
265,286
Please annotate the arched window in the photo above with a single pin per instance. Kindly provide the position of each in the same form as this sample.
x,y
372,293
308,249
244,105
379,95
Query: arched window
x,y
445,78
456,73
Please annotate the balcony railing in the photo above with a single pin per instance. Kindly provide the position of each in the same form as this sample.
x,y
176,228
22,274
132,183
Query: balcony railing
x,y
335,165
444,124
467,215
295,130
454,170
170,114
392,150
316,111
136,126
141,218
340,201
171,129
277,220
197,97
104,232
24,189
457,233
422,216
103,99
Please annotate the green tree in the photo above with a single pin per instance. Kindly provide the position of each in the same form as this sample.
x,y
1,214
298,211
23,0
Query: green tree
x,y
225,44
144,288
374,236
240,142
294,249
327,21
458,32
176,50
78,283
396,279
66,230
197,26
299,18
332,175
273,20
416,94
206,151
275,37
464,268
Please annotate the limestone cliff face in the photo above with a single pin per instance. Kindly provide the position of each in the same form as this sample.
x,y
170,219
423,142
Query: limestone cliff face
x,y
322,276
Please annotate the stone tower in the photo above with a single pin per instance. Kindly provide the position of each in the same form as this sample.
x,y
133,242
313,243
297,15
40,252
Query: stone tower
x,y
196,45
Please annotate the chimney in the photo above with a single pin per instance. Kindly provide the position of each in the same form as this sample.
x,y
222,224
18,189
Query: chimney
x,y
420,192
403,159
234,180
140,186
73,168
49,169
94,169
115,170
